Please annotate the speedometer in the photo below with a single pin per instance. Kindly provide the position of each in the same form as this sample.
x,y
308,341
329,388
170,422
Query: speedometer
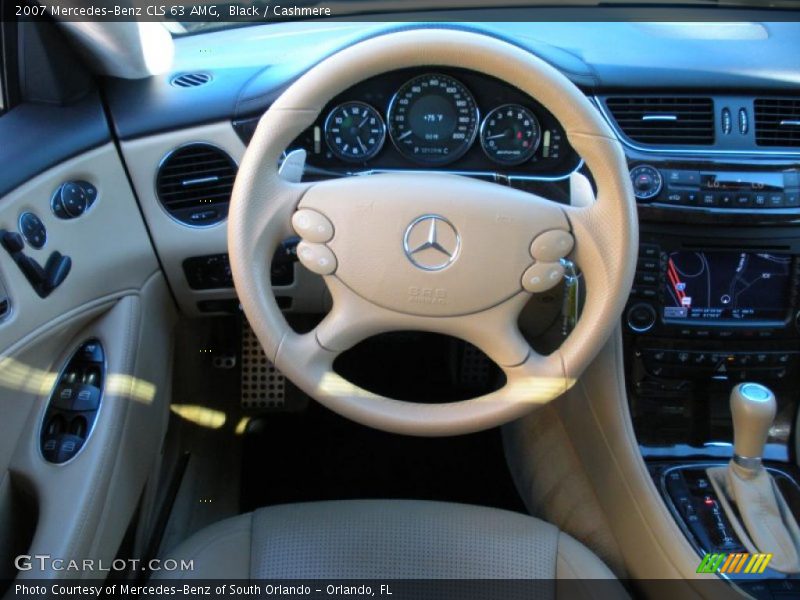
x,y
433,119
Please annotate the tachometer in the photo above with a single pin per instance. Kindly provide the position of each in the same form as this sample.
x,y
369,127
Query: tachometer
x,y
354,131
510,134
433,119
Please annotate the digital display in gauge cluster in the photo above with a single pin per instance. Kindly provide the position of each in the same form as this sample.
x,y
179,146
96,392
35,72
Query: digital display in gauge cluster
x,y
435,119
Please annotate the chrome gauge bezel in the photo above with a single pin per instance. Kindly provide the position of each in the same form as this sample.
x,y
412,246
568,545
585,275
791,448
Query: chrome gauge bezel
x,y
533,149
427,159
347,157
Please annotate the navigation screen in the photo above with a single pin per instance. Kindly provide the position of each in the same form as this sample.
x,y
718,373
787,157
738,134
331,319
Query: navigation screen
x,y
727,286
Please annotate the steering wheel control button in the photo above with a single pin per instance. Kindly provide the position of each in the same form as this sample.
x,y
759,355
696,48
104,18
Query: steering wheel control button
x,y
312,226
641,317
647,182
552,245
316,258
32,229
542,276
431,243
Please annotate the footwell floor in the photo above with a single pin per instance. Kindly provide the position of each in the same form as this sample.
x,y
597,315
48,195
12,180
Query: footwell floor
x,y
317,455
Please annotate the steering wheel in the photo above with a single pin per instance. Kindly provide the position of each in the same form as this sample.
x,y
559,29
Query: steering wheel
x,y
432,252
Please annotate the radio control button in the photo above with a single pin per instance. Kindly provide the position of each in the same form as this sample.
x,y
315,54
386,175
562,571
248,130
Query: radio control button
x,y
641,317
648,264
649,251
644,293
646,278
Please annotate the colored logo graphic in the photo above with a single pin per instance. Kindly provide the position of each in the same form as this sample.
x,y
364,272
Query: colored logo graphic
x,y
742,563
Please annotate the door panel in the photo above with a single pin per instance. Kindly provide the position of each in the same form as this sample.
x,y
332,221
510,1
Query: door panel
x,y
114,292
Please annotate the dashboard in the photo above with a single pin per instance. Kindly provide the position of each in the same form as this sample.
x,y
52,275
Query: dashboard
x,y
435,118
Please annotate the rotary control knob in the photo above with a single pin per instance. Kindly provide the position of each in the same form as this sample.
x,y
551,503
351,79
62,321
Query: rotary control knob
x,y
641,317
647,182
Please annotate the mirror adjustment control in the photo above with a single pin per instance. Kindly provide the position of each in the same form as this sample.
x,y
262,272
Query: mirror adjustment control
x,y
72,199
74,403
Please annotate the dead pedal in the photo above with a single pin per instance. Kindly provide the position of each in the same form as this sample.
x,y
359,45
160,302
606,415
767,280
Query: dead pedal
x,y
263,385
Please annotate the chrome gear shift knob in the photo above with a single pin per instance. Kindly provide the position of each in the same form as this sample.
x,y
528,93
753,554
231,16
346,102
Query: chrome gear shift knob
x,y
753,408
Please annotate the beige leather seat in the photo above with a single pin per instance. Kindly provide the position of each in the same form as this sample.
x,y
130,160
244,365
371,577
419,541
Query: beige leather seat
x,y
395,539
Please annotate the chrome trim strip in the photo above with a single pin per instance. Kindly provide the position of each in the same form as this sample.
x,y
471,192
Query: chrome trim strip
x,y
626,141
659,117
199,180
790,122
751,463
489,174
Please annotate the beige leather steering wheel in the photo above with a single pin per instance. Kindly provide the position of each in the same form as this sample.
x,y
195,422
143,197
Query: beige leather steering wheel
x,y
432,252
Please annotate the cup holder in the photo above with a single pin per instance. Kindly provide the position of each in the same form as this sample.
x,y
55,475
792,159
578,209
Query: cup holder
x,y
74,403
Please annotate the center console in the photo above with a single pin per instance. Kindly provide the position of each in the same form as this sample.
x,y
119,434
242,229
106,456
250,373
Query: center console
x,y
715,302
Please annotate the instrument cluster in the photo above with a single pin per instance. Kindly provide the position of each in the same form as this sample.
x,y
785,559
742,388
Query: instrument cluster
x,y
439,118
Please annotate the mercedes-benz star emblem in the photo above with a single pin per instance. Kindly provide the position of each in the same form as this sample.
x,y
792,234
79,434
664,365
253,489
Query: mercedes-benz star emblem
x,y
431,242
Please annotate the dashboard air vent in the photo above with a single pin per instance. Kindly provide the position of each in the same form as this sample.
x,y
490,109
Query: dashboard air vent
x,y
194,183
190,80
674,121
777,122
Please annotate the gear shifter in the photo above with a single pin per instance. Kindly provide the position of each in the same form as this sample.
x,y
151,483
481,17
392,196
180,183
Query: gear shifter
x,y
753,409
749,495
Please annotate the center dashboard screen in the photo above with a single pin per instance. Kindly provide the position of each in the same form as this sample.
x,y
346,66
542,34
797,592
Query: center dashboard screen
x,y
727,286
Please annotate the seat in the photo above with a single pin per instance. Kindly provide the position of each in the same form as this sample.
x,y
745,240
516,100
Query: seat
x,y
396,540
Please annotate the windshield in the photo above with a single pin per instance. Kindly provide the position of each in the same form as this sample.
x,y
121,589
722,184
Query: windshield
x,y
204,16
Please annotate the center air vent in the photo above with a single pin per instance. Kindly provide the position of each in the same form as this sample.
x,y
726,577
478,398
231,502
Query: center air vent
x,y
674,121
778,122
194,183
